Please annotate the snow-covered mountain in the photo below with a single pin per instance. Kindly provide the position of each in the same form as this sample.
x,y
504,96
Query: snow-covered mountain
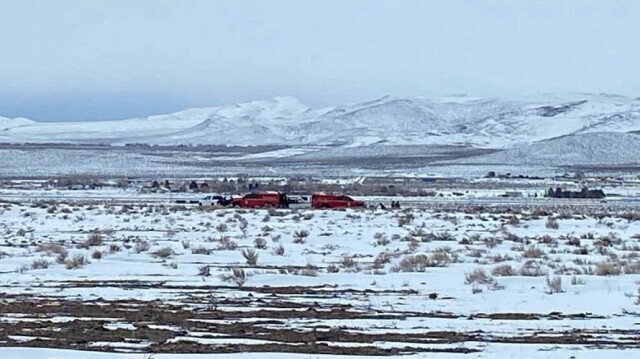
x,y
491,123
596,148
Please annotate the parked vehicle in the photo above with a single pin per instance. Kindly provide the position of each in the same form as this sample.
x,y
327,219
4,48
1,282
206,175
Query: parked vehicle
x,y
261,200
321,200
211,200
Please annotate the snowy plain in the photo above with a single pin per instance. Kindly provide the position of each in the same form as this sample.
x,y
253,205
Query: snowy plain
x,y
473,283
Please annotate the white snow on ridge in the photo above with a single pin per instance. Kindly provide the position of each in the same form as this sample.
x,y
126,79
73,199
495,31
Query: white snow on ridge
x,y
496,123
598,148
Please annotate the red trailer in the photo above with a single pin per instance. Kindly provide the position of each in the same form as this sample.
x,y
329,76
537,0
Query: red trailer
x,y
321,200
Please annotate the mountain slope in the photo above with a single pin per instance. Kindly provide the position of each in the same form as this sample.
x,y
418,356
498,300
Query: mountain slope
x,y
598,148
491,123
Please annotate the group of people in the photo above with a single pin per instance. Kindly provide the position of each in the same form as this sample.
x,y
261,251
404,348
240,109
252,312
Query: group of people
x,y
394,205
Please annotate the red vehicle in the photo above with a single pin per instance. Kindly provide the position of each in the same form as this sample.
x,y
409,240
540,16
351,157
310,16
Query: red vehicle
x,y
320,200
261,200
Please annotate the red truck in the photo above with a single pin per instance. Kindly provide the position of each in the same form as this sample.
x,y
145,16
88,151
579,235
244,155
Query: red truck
x,y
261,200
321,200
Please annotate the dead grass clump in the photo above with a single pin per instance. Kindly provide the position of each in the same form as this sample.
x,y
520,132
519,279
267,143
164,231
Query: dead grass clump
x,y
381,260
275,213
504,270
40,264
76,262
380,239
114,248
632,268
204,271
251,256
552,223
573,241
478,276
575,280
419,262
533,252
607,268
201,250
300,236
413,245
306,271
554,285
93,240
51,248
630,216
227,244
492,242
531,268
279,250
348,262
163,253
441,236
141,246
237,276
96,254
260,243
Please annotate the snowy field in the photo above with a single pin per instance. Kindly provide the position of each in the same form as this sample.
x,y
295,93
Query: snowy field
x,y
120,281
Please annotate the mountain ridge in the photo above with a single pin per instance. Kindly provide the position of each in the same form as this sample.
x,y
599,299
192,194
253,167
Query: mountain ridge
x,y
460,120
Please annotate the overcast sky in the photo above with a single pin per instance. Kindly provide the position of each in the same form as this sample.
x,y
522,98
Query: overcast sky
x,y
73,60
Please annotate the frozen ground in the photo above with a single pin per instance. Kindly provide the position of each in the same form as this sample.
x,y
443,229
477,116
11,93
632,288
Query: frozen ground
x,y
472,282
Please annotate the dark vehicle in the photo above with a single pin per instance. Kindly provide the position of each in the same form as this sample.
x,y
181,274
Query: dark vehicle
x,y
320,200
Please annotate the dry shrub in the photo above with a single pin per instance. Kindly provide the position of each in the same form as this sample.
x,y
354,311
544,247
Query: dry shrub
x,y
93,240
381,259
348,261
251,256
552,223
275,213
413,245
279,250
419,262
630,215
307,271
531,268
575,280
332,268
78,261
478,276
141,246
632,268
381,239
504,270
163,253
53,248
260,243
554,285
227,244
237,276
201,250
607,268
113,248
204,271
40,264
96,254
574,241
533,252
300,236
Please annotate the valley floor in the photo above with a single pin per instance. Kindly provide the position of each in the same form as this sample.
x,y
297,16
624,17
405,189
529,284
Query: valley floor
x,y
99,280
